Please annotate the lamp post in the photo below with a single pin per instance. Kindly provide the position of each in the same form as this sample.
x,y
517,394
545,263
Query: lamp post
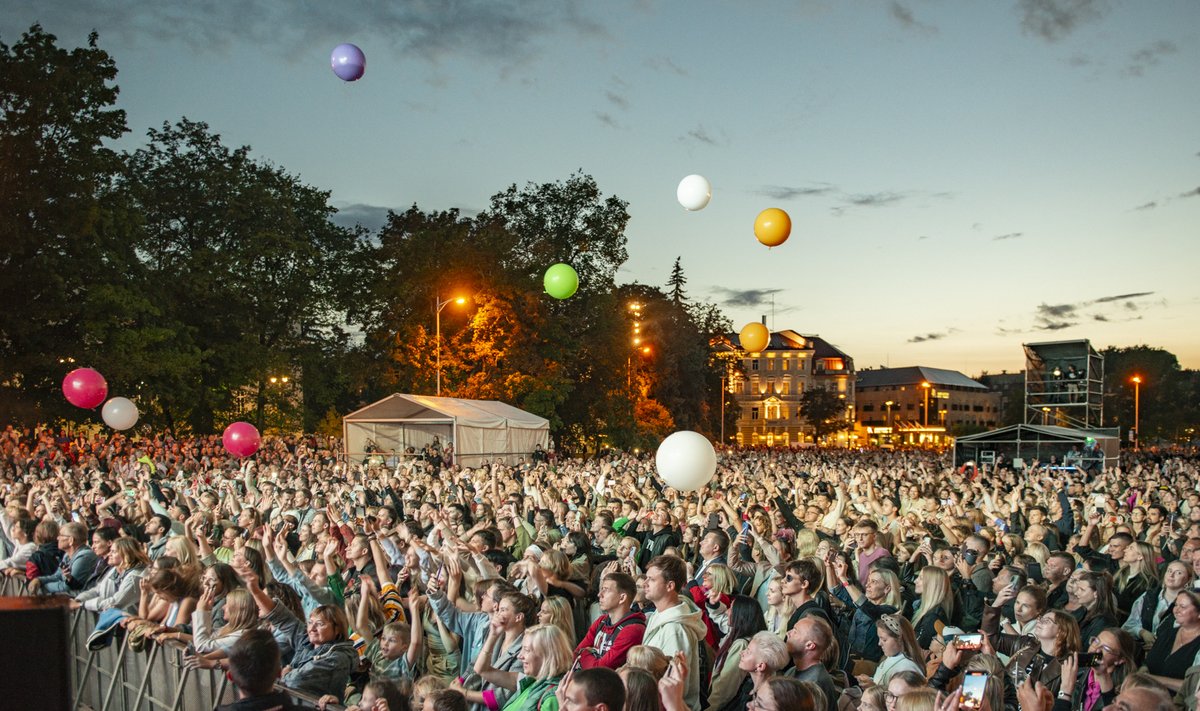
x,y
1045,415
926,385
1137,411
438,319
888,405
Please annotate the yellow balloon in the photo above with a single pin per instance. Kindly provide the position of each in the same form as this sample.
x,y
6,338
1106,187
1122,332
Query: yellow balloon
x,y
754,337
772,226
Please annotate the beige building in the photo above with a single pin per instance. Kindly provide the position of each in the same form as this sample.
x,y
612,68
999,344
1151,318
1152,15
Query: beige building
x,y
768,388
920,406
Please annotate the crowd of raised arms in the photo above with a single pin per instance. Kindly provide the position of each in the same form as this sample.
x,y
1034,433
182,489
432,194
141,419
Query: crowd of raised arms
x,y
815,580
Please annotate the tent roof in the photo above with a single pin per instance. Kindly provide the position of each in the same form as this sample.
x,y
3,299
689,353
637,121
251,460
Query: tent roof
x,y
480,413
1031,432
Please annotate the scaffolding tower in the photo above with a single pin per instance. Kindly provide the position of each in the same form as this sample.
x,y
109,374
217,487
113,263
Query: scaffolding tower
x,y
1064,384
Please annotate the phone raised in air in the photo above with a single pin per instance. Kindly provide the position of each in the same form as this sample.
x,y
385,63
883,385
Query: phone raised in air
x,y
973,687
968,642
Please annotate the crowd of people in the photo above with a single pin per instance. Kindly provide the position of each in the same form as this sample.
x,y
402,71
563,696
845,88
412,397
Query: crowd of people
x,y
816,580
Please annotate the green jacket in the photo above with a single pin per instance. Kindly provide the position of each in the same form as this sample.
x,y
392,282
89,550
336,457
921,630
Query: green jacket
x,y
534,695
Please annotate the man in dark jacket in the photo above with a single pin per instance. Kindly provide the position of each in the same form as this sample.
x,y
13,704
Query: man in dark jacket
x,y
254,666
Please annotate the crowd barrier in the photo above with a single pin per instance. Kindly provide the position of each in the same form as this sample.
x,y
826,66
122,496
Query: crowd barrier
x,y
117,678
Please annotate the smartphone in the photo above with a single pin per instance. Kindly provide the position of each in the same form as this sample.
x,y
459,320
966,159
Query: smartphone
x,y
968,642
1089,659
1015,584
973,686
745,526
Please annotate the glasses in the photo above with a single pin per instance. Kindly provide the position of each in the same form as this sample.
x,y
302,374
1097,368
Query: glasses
x,y
754,703
1095,643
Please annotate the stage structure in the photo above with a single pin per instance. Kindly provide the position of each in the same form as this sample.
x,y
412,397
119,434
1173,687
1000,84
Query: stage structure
x,y
480,430
1019,446
1064,384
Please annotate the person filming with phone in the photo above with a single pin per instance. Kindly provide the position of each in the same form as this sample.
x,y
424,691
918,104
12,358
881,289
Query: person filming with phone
x,y
1040,655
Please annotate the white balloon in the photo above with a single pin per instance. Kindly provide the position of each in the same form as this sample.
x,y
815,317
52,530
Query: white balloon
x,y
686,460
694,192
119,413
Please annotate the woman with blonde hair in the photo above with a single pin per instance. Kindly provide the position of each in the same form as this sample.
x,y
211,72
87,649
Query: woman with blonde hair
x,y
557,611
129,561
546,655
934,604
779,608
649,658
241,615
806,543
1138,573
919,700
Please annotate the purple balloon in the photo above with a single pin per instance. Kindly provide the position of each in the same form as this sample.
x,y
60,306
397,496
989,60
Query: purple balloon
x,y
85,388
241,439
348,62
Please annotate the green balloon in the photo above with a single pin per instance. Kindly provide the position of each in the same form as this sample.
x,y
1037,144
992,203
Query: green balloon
x,y
561,281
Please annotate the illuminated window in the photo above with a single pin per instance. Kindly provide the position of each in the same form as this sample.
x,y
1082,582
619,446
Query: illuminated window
x,y
770,364
786,385
772,410
785,364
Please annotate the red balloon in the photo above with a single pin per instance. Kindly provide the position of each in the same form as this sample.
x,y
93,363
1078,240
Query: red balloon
x,y
85,388
241,439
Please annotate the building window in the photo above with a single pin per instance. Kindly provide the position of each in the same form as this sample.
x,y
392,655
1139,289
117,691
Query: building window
x,y
868,407
754,413
786,384
772,410
785,364
754,364
770,364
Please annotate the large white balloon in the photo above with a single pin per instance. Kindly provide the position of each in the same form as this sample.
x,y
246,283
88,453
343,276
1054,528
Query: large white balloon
x,y
119,413
694,192
686,460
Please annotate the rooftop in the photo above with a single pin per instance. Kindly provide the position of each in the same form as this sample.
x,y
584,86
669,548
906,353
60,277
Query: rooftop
x,y
915,375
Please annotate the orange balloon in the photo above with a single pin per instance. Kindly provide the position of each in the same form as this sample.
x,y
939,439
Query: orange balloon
x,y
772,226
754,337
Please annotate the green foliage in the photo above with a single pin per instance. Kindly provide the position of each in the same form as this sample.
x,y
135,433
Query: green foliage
x,y
56,118
1170,396
824,411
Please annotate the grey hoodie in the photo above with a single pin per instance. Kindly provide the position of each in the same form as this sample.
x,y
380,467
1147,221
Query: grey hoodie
x,y
679,629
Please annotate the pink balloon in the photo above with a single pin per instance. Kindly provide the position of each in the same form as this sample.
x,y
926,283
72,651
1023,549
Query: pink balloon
x,y
85,388
241,439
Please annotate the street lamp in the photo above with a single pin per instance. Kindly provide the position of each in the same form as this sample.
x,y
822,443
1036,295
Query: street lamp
x,y
1045,415
1137,411
438,318
925,384
888,405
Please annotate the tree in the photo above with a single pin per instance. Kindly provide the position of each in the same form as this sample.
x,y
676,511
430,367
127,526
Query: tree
x,y
243,265
57,117
676,284
1163,400
824,411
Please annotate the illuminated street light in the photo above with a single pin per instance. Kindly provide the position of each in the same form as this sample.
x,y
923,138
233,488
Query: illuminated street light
x,y
1137,411
926,385
438,318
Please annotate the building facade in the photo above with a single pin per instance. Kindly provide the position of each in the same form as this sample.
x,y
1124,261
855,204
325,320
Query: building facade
x,y
770,384
922,407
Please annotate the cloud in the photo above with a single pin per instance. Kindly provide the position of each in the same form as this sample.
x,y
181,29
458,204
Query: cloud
x,y
700,134
617,100
1053,20
507,32
1055,317
787,192
907,20
1122,297
1148,206
1010,235
922,237
607,119
875,199
746,297
664,64
1150,56
1191,193
349,215
921,338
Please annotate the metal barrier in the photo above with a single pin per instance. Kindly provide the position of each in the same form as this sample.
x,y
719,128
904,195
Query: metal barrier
x,y
118,678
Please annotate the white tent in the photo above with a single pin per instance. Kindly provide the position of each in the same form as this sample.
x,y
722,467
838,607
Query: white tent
x,y
480,430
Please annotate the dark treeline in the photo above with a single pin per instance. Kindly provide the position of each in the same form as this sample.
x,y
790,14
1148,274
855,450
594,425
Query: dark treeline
x,y
204,282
